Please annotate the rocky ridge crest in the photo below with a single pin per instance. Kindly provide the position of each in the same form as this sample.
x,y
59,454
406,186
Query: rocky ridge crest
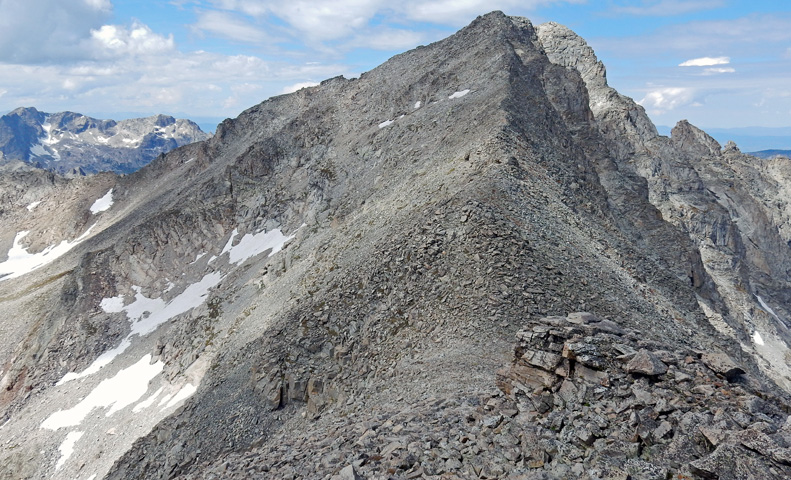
x,y
432,209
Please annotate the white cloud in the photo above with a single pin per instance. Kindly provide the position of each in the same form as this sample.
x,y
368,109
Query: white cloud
x,y
752,35
388,39
715,71
327,20
324,20
460,12
51,31
115,40
101,5
667,8
230,26
664,99
255,8
298,86
706,62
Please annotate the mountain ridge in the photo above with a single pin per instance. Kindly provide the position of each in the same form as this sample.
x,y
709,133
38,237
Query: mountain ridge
x,y
340,272
72,143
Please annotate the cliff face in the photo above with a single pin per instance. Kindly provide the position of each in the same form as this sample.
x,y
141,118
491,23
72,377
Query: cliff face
x,y
330,283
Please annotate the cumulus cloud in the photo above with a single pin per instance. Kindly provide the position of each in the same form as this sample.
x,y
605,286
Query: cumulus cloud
x,y
664,99
705,62
114,40
49,31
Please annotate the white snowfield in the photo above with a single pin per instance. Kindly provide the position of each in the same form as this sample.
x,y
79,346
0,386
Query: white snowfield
x,y
67,447
129,385
768,309
251,245
145,315
459,94
124,389
103,203
20,262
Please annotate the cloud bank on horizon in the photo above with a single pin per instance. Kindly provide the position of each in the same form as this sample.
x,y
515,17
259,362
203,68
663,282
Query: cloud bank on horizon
x,y
713,62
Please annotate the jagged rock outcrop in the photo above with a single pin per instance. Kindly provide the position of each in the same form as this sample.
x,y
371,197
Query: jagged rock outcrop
x,y
72,144
591,402
326,288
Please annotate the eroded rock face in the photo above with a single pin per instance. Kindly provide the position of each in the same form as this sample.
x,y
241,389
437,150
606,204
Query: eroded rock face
x,y
328,286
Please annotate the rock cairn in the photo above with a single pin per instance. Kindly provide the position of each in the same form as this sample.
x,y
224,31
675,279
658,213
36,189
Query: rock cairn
x,y
595,401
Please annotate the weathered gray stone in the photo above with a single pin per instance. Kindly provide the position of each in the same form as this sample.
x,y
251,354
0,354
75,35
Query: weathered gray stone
x,y
722,364
645,363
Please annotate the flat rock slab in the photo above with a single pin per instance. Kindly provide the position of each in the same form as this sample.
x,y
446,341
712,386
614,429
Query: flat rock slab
x,y
722,364
646,363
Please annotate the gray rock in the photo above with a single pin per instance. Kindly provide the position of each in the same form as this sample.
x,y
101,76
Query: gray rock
x,y
646,363
722,364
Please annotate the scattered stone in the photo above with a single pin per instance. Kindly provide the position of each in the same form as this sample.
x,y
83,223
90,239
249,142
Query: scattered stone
x,y
646,363
722,364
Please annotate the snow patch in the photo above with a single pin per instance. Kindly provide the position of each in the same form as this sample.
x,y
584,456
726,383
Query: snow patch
x,y
183,394
112,304
758,339
67,447
198,257
385,123
164,400
20,262
147,402
102,360
252,245
32,206
103,203
146,314
125,388
38,150
417,104
459,94
767,308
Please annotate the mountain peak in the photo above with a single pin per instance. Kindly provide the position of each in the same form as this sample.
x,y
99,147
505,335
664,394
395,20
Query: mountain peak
x,y
475,260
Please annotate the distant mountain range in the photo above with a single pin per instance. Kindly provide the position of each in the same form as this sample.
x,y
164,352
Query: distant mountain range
x,y
477,260
72,143
772,153
749,139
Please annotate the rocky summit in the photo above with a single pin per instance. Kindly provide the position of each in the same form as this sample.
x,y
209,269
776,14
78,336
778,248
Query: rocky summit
x,y
72,144
477,260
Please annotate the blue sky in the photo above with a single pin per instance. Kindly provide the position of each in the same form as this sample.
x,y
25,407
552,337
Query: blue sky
x,y
718,63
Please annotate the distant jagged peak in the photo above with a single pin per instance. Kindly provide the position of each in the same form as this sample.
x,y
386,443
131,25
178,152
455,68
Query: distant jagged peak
x,y
623,119
564,47
691,139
